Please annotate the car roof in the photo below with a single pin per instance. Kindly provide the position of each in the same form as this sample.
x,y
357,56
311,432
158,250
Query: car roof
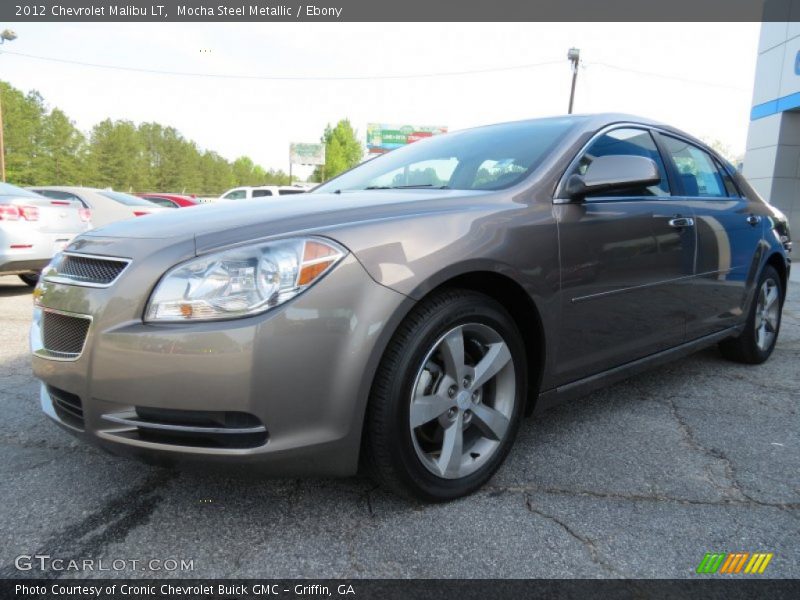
x,y
596,121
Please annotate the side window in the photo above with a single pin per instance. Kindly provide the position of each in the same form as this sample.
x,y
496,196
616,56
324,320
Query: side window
x,y
727,180
165,202
261,193
629,142
236,195
697,170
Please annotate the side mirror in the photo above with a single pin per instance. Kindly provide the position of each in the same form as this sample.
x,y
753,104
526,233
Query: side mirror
x,y
613,172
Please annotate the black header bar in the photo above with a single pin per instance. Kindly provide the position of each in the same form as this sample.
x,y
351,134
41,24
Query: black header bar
x,y
192,11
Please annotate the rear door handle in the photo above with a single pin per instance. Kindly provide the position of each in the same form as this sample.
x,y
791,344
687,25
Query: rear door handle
x,y
754,220
679,222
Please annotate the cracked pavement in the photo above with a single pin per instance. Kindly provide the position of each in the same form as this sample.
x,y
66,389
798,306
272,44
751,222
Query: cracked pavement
x,y
637,480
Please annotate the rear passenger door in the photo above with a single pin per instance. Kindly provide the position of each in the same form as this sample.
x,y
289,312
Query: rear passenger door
x,y
729,230
626,259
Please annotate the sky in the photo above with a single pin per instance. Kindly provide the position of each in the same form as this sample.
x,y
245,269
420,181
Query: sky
x,y
695,76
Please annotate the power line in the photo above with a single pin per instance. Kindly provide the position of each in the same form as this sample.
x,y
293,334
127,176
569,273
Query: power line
x,y
280,77
498,69
672,77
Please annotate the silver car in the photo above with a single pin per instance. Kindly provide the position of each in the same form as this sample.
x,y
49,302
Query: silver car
x,y
107,206
34,228
411,311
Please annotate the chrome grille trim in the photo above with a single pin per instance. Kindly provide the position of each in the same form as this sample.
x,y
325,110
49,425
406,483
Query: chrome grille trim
x,y
38,335
87,270
132,420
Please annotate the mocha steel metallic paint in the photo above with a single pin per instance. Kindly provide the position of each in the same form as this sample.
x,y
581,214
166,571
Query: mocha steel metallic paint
x,y
305,368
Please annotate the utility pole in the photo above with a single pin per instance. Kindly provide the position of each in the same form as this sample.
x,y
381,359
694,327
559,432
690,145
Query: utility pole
x,y
574,56
2,146
5,36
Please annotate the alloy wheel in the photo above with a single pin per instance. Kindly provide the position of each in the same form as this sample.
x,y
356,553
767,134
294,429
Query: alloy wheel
x,y
462,400
767,314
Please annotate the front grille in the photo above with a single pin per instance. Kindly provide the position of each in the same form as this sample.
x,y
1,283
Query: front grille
x,y
68,407
84,269
63,336
196,428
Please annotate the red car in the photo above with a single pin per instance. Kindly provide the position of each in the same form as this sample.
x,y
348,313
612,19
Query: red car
x,y
170,200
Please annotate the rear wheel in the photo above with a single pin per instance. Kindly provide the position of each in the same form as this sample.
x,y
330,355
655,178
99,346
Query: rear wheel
x,y
447,399
757,341
30,279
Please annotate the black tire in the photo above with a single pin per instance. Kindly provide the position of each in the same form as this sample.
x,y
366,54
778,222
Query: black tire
x,y
30,279
745,347
388,445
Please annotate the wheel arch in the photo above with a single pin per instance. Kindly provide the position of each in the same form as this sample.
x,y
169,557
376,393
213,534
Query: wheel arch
x,y
778,262
523,311
486,278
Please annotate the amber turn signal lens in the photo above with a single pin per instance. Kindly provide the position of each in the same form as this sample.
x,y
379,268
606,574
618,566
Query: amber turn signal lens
x,y
310,272
317,250
317,257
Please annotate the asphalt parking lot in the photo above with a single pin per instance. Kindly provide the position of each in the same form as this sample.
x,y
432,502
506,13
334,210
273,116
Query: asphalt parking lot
x,y
638,480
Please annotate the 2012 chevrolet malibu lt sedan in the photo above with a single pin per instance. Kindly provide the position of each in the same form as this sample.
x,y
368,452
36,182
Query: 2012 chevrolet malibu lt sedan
x,y
411,311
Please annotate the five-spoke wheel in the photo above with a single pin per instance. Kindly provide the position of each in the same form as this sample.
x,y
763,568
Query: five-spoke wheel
x,y
755,344
462,400
447,398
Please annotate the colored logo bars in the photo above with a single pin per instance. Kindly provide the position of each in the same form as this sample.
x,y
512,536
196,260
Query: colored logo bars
x,y
734,562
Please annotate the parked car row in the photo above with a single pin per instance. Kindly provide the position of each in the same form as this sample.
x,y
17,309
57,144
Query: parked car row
x,y
107,206
38,222
33,228
264,191
171,200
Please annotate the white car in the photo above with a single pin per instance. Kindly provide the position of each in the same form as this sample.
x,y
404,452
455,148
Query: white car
x,y
107,206
262,191
34,228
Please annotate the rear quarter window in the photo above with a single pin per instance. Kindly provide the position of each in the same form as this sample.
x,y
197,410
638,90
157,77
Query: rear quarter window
x,y
125,199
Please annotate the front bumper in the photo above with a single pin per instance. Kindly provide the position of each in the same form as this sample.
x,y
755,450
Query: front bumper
x,y
302,370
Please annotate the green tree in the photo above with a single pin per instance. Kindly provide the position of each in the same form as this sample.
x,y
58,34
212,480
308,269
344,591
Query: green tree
x,y
243,171
45,147
23,128
343,151
62,156
116,156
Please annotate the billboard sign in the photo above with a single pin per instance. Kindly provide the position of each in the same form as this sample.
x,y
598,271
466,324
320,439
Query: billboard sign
x,y
307,154
382,137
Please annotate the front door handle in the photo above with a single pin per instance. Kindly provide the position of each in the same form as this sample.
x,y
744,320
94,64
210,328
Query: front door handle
x,y
679,222
754,220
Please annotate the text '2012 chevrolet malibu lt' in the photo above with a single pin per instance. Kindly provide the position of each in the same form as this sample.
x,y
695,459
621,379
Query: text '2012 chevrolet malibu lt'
x,y
411,311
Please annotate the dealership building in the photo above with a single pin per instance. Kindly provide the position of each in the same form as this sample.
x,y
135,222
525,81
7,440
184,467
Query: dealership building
x,y
772,159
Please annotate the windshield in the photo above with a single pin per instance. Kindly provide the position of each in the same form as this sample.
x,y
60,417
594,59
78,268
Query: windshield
x,y
6,189
486,158
126,199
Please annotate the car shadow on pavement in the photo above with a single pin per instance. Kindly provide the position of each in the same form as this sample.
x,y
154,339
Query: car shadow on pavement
x,y
12,286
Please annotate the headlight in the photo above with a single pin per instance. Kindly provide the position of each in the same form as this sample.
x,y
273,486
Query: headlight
x,y
242,281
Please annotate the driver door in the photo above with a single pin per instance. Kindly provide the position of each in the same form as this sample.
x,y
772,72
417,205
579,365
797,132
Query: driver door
x,y
627,258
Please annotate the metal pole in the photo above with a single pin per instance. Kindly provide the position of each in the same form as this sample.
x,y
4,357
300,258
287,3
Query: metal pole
x,y
290,171
5,36
574,56
2,145
572,90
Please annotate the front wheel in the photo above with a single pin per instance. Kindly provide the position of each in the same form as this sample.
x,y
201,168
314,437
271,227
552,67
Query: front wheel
x,y
757,341
30,279
447,398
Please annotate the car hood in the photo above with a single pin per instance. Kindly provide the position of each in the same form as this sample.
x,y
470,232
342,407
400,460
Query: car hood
x,y
222,224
